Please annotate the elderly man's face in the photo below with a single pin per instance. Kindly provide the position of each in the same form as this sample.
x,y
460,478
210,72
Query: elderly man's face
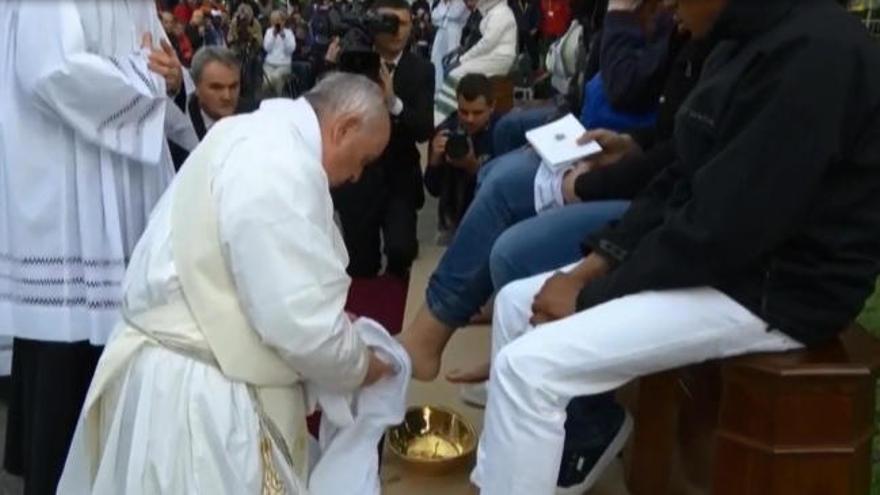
x,y
351,144
218,89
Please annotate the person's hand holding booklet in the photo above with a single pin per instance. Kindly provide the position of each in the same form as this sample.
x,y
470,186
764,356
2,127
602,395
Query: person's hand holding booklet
x,y
559,143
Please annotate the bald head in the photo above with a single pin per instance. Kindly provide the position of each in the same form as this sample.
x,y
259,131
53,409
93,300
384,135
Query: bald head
x,y
355,126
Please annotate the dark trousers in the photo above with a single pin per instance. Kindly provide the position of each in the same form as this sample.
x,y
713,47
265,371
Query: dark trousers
x,y
528,43
374,214
49,385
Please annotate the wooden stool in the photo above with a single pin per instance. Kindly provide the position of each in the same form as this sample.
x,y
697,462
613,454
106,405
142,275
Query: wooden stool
x,y
789,423
502,89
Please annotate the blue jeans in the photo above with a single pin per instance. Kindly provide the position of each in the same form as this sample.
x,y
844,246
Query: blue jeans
x,y
510,131
505,196
549,241
463,281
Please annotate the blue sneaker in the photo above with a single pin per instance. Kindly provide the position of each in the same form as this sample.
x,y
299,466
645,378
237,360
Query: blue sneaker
x,y
596,431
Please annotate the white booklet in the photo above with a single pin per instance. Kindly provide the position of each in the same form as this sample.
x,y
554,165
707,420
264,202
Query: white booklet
x,y
557,145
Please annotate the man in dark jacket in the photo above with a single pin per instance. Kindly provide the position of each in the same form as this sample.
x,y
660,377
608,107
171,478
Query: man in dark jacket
x,y
216,73
380,209
528,15
503,220
451,174
760,237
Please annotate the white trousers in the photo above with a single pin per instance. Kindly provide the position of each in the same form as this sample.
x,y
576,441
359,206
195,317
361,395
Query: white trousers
x,y
276,76
536,371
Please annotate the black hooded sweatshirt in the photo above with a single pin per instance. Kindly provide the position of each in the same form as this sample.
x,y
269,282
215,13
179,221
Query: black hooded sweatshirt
x,y
774,198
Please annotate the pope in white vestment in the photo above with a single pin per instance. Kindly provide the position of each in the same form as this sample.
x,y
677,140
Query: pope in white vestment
x,y
84,117
234,298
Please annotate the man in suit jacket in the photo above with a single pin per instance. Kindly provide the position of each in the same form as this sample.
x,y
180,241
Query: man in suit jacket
x,y
216,72
380,209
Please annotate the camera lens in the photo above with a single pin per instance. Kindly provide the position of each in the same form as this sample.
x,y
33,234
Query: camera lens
x,y
457,146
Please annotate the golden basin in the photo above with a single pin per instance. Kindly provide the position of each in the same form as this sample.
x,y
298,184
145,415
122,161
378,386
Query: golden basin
x,y
433,440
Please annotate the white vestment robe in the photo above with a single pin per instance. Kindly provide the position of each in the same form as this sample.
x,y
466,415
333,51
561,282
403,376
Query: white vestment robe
x,y
83,160
167,422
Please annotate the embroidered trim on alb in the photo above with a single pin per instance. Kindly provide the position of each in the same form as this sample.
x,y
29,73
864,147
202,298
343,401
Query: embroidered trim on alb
x,y
61,302
61,260
122,111
152,108
146,80
115,61
61,281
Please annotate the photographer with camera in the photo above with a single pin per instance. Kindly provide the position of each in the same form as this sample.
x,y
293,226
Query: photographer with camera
x,y
245,33
382,206
279,43
245,39
461,145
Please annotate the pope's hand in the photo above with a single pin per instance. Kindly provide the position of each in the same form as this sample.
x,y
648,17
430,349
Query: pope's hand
x,y
377,370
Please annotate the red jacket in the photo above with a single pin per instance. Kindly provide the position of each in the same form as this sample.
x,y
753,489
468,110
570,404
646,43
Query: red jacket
x,y
555,18
183,12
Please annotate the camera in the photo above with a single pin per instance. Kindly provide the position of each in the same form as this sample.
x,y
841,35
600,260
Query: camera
x,y
357,31
458,145
377,23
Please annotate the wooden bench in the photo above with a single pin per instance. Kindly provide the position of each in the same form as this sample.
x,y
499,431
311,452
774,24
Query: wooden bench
x,y
772,424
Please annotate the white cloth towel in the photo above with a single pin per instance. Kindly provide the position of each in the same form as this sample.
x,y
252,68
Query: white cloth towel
x,y
351,426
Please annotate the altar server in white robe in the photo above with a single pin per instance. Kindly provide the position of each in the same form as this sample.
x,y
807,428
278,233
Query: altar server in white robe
x,y
84,108
234,299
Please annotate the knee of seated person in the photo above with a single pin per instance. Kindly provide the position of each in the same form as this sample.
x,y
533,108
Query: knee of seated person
x,y
510,370
494,182
505,125
510,297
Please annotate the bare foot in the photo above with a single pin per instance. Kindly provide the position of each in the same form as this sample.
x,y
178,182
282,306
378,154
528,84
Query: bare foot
x,y
424,341
477,374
